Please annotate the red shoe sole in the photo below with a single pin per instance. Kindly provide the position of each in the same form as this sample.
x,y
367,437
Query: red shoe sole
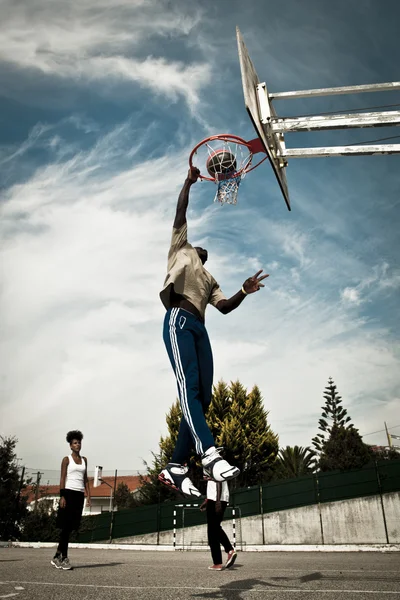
x,y
168,483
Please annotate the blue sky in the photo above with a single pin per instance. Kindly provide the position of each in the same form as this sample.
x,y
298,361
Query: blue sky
x,y
100,104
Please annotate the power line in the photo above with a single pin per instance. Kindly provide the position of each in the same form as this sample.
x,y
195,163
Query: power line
x,y
380,430
392,137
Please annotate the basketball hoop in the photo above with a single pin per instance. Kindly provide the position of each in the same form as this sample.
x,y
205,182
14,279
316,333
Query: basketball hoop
x,y
227,159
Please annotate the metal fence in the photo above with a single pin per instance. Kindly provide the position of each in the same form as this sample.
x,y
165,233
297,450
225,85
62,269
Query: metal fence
x,y
374,479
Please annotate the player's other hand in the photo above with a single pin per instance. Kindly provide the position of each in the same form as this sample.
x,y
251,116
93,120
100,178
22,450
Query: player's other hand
x,y
193,174
63,502
253,284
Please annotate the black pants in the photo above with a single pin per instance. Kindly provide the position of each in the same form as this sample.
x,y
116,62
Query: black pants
x,y
69,518
63,543
216,535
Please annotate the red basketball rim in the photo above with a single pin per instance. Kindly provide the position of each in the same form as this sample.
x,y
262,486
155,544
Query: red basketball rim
x,y
226,137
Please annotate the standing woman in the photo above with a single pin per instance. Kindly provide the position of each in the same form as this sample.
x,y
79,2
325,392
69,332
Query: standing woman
x,y
73,483
215,505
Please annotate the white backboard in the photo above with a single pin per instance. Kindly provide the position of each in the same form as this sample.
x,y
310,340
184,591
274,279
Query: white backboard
x,y
254,93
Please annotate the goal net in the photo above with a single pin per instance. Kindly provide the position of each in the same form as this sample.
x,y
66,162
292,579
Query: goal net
x,y
190,527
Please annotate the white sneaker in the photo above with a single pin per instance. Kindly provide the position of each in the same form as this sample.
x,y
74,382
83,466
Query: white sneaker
x,y
216,467
175,476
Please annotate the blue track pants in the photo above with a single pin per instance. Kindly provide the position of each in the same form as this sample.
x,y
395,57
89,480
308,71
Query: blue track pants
x,y
189,351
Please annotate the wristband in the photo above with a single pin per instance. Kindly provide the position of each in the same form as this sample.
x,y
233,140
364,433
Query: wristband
x,y
244,291
62,493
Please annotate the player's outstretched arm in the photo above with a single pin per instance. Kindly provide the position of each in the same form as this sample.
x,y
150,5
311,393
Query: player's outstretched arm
x,y
251,285
183,200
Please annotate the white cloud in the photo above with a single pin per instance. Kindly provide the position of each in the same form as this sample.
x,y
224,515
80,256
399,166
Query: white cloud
x,y
351,295
82,264
85,42
85,239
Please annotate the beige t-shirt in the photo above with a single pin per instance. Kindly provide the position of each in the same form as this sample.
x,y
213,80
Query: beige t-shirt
x,y
187,275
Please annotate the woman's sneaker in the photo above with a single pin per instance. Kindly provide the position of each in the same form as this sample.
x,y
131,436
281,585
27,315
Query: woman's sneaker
x,y
216,568
232,556
56,561
216,467
175,476
65,564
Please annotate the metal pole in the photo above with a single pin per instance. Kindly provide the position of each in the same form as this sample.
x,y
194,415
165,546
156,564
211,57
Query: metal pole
x,y
174,543
234,528
38,477
21,483
381,497
337,121
359,150
262,515
334,91
112,505
389,438
158,518
319,507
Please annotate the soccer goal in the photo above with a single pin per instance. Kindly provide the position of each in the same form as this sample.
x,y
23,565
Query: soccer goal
x,y
190,527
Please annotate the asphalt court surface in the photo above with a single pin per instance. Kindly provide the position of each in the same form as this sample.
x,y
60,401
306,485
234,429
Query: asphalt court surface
x,y
26,574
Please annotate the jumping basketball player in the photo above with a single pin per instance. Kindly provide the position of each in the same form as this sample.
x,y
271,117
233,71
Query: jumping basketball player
x,y
188,288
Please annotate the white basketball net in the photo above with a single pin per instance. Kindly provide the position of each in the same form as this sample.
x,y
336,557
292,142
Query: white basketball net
x,y
227,189
228,186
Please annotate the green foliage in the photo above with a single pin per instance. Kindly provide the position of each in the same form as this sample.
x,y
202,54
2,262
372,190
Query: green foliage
x,y
123,497
385,453
294,462
40,525
344,450
333,414
238,422
12,504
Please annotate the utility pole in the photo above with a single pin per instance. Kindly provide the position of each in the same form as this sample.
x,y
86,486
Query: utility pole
x,y
388,436
38,476
21,483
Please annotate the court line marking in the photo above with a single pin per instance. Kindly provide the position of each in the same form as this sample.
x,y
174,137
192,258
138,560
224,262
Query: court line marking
x,y
305,571
205,589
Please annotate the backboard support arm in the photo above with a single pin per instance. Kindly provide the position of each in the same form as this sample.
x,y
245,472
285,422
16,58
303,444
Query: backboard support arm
x,y
271,128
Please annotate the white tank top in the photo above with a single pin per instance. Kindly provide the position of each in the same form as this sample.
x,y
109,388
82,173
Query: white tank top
x,y
75,475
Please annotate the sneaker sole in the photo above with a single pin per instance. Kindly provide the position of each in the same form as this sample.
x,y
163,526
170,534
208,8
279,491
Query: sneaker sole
x,y
168,483
171,485
54,565
231,561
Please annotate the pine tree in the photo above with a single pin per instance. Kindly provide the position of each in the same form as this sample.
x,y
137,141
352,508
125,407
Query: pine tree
x,y
12,504
333,413
238,422
294,462
344,450
123,497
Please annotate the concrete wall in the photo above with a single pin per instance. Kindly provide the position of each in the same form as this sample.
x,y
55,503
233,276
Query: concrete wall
x,y
295,526
391,505
355,521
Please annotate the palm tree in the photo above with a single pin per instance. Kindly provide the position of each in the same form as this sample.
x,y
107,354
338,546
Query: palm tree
x,y
294,462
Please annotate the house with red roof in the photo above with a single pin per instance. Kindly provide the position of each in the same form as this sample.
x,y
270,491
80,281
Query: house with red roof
x,y
101,495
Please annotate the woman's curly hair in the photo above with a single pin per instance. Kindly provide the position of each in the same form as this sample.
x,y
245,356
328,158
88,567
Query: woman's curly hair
x,y
74,435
